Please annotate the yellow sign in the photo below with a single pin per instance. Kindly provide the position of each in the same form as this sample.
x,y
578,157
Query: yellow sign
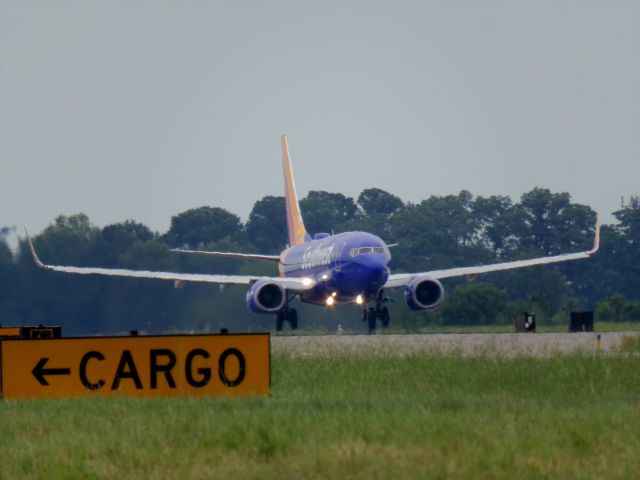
x,y
10,331
232,364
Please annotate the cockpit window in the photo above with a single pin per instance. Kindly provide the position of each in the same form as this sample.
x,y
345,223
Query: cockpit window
x,y
361,250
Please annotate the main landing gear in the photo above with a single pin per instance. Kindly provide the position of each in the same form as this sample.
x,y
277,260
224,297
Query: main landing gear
x,y
371,314
287,315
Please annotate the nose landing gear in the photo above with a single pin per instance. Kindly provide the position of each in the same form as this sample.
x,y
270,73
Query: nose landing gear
x,y
371,314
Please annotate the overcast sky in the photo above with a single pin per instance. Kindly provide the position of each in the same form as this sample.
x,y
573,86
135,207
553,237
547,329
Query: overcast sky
x,y
143,109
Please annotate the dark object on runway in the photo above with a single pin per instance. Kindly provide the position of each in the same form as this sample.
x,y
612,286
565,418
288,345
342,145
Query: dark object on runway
x,y
526,323
581,322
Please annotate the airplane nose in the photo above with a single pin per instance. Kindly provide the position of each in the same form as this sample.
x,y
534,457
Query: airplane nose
x,y
377,271
378,276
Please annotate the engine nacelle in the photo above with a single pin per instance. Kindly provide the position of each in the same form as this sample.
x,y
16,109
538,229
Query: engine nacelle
x,y
265,296
424,293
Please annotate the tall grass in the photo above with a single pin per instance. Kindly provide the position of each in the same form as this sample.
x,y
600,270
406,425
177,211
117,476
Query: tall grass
x,y
340,416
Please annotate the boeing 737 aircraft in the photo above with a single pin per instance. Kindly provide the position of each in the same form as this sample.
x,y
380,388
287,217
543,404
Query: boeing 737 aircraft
x,y
327,270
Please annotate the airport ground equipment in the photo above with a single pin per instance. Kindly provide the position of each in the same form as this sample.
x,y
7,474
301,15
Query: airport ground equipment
x,y
526,323
41,331
581,322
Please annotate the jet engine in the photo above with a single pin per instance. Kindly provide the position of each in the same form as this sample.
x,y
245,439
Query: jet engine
x,y
265,296
423,293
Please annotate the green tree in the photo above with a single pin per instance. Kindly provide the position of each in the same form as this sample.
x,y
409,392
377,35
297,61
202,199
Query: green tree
x,y
72,301
498,224
476,304
632,312
612,309
620,265
266,228
375,201
6,257
326,212
544,287
629,225
439,232
9,281
374,216
198,226
69,240
551,224
116,239
128,303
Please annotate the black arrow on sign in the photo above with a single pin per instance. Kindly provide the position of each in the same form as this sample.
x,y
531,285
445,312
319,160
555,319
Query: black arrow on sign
x,y
39,371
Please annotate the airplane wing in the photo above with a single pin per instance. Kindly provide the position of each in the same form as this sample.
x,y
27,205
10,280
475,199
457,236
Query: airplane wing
x,y
242,256
401,279
294,284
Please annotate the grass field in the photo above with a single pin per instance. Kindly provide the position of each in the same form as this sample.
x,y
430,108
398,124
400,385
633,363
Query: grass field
x,y
395,328
553,328
425,416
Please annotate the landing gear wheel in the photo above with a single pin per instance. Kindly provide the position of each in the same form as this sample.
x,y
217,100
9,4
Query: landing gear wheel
x,y
371,320
384,317
287,314
279,321
293,318
382,312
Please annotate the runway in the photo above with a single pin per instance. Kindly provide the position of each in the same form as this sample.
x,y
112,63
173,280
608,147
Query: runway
x,y
469,344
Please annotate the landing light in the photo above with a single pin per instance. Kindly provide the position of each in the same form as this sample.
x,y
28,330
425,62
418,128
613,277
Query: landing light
x,y
330,301
334,294
359,300
306,281
324,276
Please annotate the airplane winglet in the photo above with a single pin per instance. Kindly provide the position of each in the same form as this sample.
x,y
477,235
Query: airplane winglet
x,y
596,240
37,261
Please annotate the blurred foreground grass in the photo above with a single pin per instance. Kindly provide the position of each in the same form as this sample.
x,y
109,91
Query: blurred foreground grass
x,y
424,416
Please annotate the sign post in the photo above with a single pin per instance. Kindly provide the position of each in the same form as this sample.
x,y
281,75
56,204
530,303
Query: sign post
x,y
146,366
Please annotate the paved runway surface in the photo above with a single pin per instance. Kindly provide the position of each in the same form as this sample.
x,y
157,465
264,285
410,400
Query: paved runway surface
x,y
505,344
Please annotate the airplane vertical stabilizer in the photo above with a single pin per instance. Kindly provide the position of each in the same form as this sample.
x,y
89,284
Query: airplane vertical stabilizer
x,y
295,226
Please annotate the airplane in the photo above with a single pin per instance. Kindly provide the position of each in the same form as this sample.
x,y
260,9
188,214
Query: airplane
x,y
326,269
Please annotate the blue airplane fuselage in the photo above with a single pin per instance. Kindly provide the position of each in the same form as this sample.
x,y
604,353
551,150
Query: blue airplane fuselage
x,y
344,265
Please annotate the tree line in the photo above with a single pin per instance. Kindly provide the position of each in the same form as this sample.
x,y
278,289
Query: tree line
x,y
438,232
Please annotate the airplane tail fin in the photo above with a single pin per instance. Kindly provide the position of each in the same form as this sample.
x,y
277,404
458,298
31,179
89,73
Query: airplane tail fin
x,y
295,226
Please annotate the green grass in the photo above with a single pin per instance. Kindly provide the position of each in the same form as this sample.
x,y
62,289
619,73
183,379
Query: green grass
x,y
510,328
616,326
425,416
494,328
